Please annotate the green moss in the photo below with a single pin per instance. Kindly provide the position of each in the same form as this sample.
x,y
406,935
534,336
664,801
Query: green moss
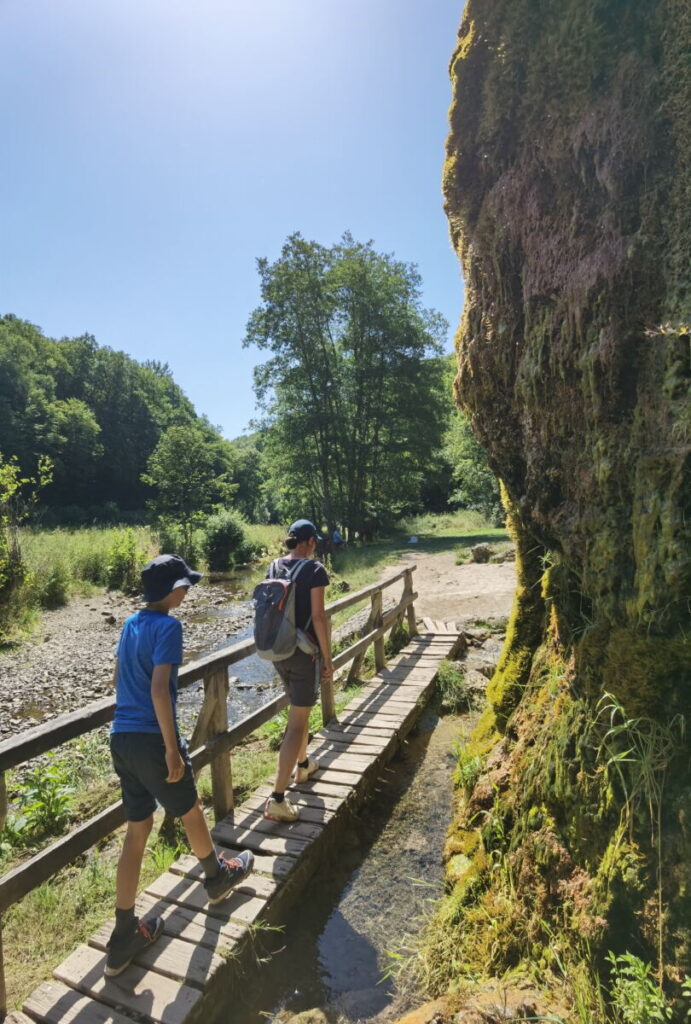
x,y
526,622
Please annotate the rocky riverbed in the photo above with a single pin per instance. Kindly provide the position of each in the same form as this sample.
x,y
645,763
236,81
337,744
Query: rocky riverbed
x,y
69,659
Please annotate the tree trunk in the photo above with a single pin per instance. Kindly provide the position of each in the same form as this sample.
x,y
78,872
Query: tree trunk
x,y
568,192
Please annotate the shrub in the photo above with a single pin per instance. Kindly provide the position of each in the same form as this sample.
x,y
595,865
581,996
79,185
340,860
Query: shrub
x,y
224,540
172,541
124,562
53,590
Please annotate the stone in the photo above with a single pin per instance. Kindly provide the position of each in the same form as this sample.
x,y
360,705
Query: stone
x,y
480,552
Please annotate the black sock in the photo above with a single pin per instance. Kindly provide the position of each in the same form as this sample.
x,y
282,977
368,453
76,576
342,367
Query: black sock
x,y
278,797
210,864
304,764
125,922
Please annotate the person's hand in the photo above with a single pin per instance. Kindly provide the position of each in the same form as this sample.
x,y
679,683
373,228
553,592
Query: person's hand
x,y
175,765
327,668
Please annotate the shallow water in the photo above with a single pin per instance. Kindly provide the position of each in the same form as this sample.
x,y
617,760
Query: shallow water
x,y
369,899
253,682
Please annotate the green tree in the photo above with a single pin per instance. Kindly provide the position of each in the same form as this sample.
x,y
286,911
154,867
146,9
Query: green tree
x,y
354,404
474,484
190,471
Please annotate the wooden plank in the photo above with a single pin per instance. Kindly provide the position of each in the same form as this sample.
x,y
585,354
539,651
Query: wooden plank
x,y
17,1017
342,744
352,732
330,783
330,804
275,866
136,989
255,841
55,1003
360,595
256,885
173,958
191,925
176,889
310,808
254,820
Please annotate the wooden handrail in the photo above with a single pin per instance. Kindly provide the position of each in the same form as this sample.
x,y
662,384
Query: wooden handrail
x,y
32,873
51,734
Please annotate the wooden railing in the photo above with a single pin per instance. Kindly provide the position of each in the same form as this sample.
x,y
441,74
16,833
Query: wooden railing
x,y
211,742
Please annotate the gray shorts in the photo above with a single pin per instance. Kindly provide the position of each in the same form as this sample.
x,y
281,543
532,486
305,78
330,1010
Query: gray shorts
x,y
139,759
301,674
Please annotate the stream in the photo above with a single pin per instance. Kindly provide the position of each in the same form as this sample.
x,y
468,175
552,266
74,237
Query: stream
x,y
365,904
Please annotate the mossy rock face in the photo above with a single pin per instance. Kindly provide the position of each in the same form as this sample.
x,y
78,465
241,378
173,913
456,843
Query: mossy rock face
x,y
568,192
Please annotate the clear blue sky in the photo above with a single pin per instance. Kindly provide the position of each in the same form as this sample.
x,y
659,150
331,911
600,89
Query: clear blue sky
x,y
152,149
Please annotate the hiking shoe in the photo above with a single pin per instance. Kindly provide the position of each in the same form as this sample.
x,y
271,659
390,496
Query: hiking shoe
x,y
303,774
232,871
285,811
119,954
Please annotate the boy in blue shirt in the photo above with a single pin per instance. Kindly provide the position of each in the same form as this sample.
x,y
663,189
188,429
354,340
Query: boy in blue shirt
x,y
152,760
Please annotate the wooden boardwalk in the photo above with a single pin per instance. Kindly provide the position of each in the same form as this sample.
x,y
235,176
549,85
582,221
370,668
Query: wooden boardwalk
x,y
189,974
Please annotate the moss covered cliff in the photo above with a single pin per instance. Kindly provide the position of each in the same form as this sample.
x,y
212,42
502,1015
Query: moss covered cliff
x,y
568,192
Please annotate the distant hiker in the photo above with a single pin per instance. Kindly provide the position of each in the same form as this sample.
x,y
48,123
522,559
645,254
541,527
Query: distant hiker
x,y
301,672
152,760
337,539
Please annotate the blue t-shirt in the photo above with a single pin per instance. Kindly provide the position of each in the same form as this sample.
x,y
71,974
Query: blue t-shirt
x,y
148,638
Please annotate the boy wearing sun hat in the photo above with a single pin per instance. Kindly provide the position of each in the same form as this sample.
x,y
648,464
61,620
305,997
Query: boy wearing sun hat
x,y
151,759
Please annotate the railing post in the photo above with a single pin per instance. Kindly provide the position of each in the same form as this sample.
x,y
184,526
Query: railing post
x,y
410,610
3,819
379,649
326,687
216,692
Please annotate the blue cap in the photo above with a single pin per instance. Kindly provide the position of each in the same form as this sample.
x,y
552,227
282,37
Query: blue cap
x,y
164,573
302,529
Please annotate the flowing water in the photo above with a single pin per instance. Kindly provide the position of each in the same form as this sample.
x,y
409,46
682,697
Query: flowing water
x,y
370,899
253,682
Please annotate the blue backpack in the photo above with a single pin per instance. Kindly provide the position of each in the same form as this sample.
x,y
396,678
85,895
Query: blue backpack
x,y
275,633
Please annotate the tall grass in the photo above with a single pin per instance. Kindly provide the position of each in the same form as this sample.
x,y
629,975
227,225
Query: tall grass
x,y
61,562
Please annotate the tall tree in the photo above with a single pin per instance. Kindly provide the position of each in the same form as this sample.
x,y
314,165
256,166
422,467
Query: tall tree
x,y
354,404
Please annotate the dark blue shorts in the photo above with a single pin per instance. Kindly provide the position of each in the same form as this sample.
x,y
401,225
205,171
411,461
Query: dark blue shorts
x,y
140,762
301,675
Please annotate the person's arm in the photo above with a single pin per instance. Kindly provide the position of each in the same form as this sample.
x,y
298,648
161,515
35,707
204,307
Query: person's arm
x,y
322,628
160,696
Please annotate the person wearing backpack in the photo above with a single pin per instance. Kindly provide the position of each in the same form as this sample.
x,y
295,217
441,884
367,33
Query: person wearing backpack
x,y
305,580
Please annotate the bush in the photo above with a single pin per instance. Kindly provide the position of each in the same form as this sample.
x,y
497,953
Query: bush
x,y
124,562
224,541
53,590
172,541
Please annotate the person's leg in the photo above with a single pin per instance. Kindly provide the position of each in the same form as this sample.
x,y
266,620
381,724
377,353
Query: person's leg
x,y
293,747
198,834
130,863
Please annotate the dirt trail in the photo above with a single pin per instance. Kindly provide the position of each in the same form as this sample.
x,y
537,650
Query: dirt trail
x,y
458,593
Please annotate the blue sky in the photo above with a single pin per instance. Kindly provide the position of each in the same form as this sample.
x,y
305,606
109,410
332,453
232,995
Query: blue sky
x,y
152,149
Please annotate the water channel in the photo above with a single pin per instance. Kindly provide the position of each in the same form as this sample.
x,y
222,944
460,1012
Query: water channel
x,y
368,901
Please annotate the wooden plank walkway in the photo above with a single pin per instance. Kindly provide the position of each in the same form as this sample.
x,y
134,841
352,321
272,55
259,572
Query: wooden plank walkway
x,y
188,975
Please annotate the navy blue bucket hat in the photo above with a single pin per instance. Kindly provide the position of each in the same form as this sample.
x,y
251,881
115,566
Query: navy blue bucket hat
x,y
164,573
302,529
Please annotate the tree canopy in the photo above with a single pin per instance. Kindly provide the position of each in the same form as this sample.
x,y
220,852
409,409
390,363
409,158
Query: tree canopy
x,y
98,414
353,393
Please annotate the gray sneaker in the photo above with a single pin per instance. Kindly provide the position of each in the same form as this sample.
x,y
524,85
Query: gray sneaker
x,y
120,954
231,873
